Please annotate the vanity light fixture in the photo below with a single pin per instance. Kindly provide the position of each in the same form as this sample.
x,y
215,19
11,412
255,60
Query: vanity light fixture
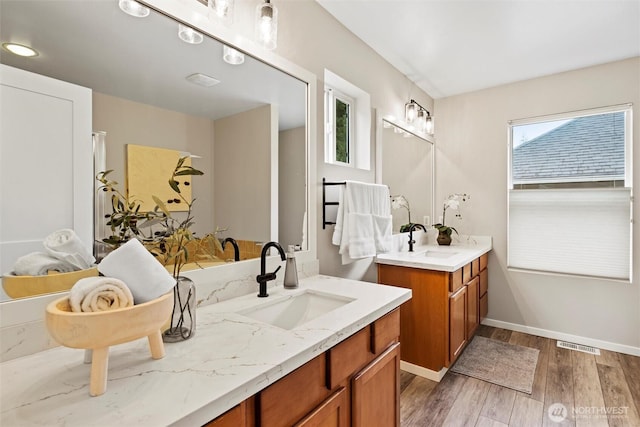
x,y
20,50
189,35
232,56
416,112
133,8
221,10
267,25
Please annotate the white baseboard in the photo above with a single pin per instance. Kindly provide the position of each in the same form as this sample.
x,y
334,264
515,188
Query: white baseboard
x,y
606,345
423,372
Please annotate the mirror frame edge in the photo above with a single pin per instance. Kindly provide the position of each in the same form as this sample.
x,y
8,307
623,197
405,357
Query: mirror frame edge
x,y
24,310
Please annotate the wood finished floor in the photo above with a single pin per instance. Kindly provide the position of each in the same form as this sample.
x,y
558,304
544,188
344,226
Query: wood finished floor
x,y
583,383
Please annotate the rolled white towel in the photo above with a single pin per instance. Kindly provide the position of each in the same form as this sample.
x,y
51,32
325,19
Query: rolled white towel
x,y
66,245
142,272
99,294
39,264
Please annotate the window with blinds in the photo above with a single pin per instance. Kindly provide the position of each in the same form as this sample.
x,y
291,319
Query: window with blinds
x,y
570,193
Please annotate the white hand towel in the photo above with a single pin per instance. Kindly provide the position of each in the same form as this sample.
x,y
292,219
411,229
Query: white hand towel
x,y
133,264
99,294
363,225
39,264
66,245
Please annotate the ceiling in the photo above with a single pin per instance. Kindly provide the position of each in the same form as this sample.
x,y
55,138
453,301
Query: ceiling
x,y
448,47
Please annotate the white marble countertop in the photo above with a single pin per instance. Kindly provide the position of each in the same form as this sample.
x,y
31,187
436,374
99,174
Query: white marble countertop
x,y
439,258
229,359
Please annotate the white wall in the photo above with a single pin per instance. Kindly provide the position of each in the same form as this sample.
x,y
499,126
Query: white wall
x,y
128,122
292,186
242,161
471,157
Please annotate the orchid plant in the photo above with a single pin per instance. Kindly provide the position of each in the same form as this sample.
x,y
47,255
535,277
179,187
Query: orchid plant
x,y
451,202
398,202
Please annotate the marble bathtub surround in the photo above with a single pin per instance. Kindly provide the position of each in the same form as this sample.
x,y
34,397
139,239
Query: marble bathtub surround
x,y
230,358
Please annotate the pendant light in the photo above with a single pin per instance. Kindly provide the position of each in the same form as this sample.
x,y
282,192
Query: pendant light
x,y
266,25
221,10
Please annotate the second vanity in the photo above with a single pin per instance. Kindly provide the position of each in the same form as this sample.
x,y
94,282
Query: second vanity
x,y
243,359
449,285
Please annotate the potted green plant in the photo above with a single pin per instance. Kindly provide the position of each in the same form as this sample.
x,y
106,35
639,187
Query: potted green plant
x,y
444,231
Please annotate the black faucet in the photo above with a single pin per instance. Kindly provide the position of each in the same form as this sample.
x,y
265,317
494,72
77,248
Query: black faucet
x,y
413,227
264,277
236,250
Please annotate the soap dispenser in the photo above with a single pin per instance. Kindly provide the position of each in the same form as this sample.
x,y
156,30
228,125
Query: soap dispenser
x,y
291,271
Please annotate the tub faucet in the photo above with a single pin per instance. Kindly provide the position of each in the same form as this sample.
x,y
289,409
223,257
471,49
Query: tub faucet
x,y
264,277
413,227
236,250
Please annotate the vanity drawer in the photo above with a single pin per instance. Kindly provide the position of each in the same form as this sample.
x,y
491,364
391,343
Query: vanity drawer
x,y
348,357
475,267
484,281
455,280
484,261
292,397
385,331
466,273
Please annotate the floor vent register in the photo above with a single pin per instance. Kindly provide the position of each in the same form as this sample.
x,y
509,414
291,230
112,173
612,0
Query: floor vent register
x,y
579,347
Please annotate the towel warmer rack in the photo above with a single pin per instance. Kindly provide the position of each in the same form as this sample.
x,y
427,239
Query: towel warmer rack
x,y
325,183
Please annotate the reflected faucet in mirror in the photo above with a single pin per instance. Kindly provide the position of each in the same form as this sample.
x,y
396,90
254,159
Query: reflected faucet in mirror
x,y
264,277
413,227
236,250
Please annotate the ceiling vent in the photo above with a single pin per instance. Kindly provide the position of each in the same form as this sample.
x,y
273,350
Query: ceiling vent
x,y
202,80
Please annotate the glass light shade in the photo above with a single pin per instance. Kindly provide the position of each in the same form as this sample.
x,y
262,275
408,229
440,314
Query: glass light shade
x,y
267,25
20,50
221,10
397,130
410,111
429,125
421,120
133,8
189,35
232,56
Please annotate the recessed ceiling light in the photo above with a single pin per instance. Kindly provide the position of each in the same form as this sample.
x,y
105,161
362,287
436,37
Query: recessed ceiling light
x,y
189,35
133,8
19,49
232,56
203,80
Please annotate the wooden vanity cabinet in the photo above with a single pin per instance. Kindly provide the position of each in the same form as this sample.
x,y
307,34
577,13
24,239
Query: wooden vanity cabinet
x,y
356,382
444,312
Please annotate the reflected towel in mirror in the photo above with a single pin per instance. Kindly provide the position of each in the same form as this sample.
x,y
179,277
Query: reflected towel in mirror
x,y
39,264
66,246
99,294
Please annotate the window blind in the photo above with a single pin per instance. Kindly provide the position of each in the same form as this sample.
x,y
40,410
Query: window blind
x,y
576,231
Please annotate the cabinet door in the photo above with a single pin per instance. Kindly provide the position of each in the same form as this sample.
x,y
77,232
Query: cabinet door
x,y
333,412
473,306
234,417
457,323
375,393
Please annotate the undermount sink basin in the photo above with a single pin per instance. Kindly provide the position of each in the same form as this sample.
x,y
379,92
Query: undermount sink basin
x,y
436,254
292,311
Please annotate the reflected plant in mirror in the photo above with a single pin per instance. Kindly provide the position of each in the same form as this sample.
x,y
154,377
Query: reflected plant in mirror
x,y
398,202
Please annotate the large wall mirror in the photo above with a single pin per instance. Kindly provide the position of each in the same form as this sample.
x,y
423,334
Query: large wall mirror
x,y
245,126
407,167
